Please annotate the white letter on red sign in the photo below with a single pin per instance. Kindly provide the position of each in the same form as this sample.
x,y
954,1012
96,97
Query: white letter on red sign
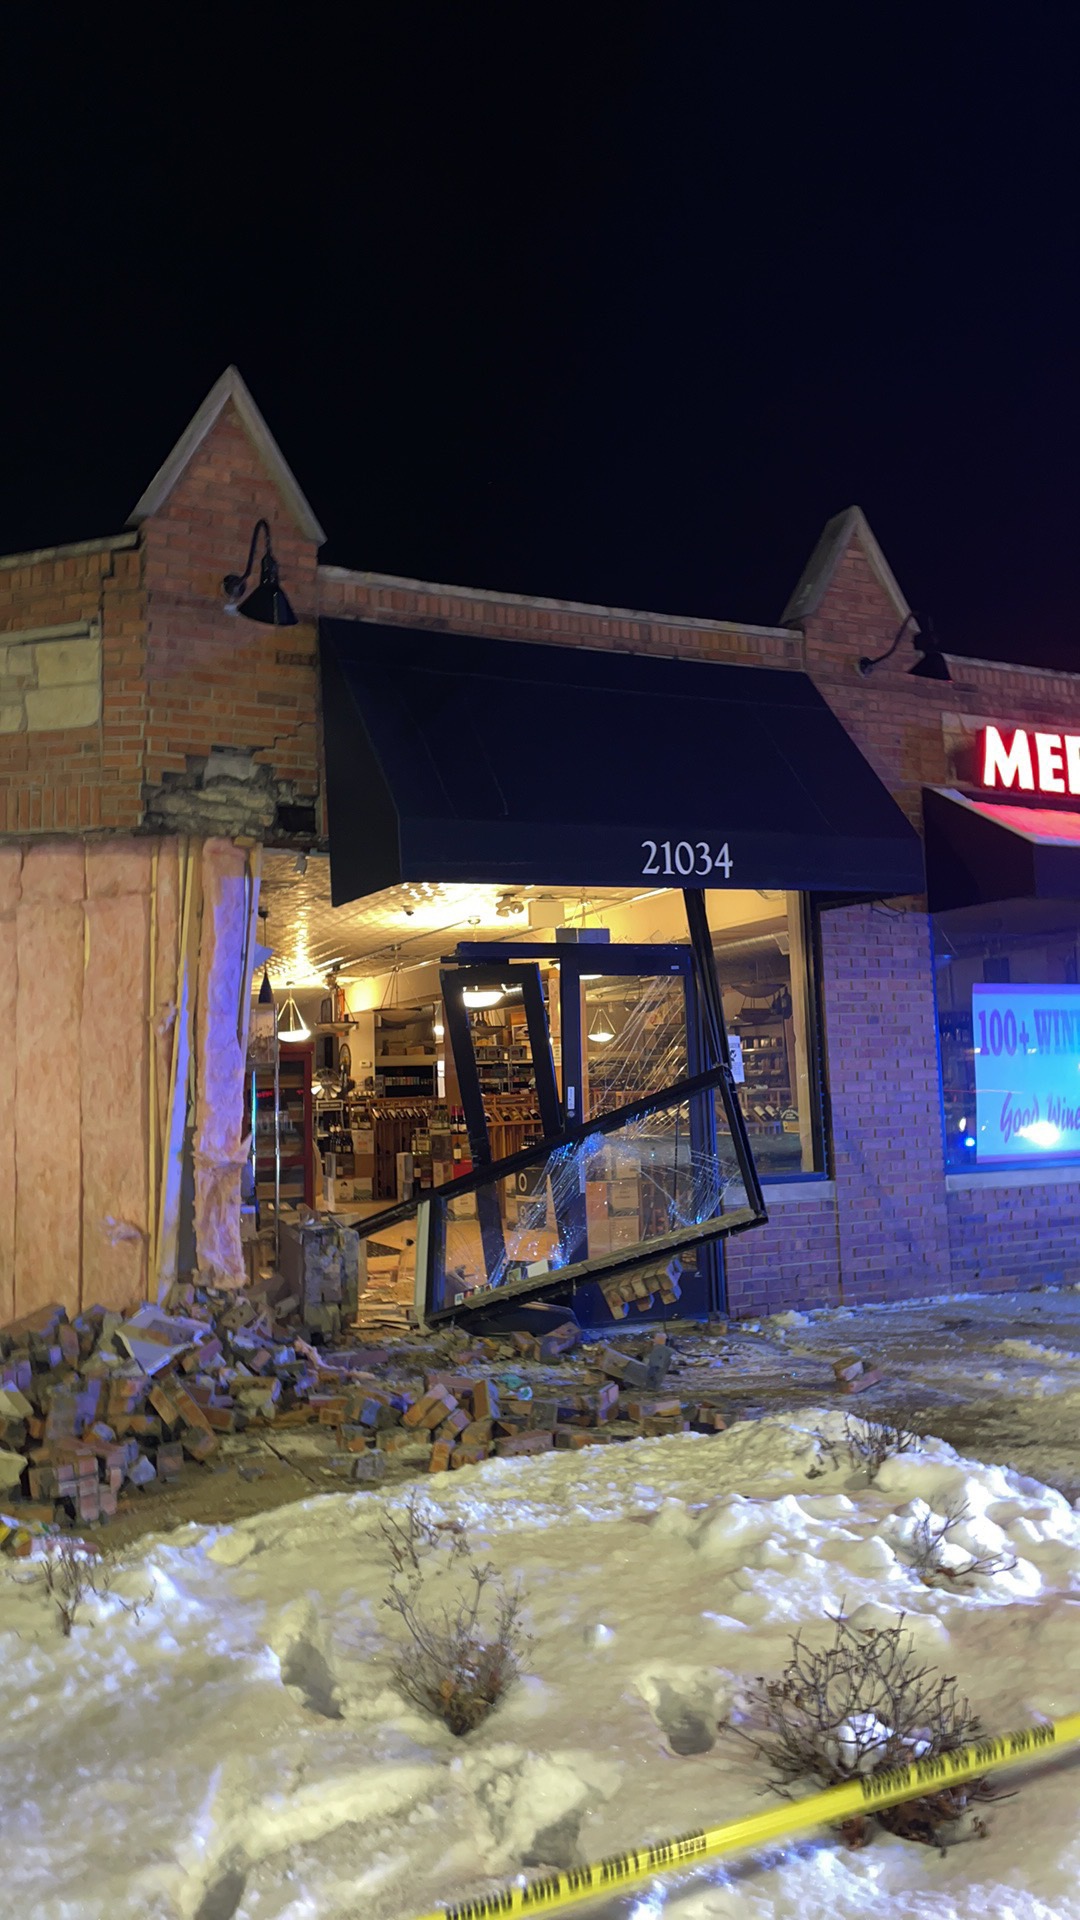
x,y
1004,766
1048,756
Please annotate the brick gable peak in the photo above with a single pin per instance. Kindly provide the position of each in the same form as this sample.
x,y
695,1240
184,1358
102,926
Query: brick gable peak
x,y
230,387
838,535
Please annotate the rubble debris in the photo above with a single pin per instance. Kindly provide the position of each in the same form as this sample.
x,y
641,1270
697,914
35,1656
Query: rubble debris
x,y
97,1408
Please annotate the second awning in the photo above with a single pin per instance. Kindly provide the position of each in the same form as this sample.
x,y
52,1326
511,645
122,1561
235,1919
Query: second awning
x,y
980,850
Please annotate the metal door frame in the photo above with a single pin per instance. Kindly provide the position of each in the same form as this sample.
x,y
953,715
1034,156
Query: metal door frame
x,y
480,964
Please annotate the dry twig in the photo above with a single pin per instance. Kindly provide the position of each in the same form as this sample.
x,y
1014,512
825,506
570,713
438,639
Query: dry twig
x,y
72,1573
933,1533
870,1443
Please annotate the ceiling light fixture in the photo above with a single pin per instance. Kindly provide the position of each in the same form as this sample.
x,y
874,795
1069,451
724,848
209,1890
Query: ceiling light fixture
x,y
267,603
601,1029
482,996
291,1022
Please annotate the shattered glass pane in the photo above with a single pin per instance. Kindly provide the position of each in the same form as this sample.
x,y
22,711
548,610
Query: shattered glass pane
x,y
642,1191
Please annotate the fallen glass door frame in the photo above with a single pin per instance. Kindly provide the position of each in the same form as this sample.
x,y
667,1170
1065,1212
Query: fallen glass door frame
x,y
605,1266
707,1047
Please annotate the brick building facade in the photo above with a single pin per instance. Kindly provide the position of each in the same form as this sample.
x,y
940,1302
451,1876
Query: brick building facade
x,y
143,729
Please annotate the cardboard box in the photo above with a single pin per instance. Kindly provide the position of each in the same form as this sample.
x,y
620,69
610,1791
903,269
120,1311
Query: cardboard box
x,y
625,1230
623,1196
596,1200
599,1237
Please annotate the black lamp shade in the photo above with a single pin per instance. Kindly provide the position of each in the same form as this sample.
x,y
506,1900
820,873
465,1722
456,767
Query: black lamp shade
x,y
930,666
267,603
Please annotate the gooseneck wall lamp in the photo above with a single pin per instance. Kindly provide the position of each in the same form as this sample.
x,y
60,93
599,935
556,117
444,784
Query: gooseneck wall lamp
x,y
931,664
267,603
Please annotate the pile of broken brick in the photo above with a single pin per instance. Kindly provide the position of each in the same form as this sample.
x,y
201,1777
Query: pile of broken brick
x,y
95,1407
463,1416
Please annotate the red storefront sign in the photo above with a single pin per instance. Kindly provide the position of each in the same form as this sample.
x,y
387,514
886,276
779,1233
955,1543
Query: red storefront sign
x,y
1029,760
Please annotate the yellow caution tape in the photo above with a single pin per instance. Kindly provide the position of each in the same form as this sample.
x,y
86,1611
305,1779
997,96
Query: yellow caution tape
x,y
555,1891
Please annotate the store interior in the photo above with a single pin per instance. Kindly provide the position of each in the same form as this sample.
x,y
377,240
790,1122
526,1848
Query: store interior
x,y
368,1106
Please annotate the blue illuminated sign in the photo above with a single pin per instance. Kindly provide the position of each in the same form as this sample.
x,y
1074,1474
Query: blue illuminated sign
x,y
1027,1071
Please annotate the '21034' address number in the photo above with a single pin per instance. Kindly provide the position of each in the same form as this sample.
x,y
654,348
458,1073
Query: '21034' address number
x,y
686,857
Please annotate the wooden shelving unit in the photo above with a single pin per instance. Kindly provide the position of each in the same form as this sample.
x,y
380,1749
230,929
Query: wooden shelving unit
x,y
292,1124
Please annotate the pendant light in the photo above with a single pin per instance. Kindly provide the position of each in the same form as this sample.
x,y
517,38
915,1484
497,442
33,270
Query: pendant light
x,y
291,1022
267,603
600,1028
482,996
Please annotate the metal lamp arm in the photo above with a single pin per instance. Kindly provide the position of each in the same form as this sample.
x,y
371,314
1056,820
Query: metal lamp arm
x,y
234,583
867,665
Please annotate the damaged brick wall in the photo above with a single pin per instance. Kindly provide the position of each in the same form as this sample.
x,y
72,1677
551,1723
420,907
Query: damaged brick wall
x,y
69,764
216,680
175,682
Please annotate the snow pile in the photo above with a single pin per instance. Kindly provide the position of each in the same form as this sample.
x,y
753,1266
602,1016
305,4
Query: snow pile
x,y
236,1751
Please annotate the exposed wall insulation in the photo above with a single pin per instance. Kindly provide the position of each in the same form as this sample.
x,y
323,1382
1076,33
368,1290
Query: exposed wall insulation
x,y
121,1003
48,1172
114,1050
219,1110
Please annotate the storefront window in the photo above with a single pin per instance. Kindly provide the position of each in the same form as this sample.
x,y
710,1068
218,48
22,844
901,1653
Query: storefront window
x,y
765,967
1008,1003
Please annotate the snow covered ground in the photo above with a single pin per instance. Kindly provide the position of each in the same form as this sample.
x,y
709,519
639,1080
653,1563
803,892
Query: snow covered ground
x,y
236,1751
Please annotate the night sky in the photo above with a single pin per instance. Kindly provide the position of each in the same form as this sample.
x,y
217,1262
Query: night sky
x,y
609,302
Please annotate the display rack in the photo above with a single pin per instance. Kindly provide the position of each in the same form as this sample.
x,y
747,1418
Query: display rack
x,y
406,1063
284,1151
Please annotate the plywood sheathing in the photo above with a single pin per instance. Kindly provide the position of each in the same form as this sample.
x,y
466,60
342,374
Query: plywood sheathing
x,y
49,960
219,1109
114,1046
10,888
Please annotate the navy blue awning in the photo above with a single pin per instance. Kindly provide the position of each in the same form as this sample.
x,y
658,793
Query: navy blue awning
x,y
456,758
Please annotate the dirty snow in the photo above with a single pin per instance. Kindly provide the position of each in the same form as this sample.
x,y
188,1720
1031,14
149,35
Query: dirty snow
x,y
236,1750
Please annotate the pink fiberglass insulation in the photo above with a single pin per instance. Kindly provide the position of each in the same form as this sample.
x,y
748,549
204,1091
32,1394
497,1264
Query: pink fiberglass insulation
x,y
10,887
49,958
113,1074
164,986
219,1106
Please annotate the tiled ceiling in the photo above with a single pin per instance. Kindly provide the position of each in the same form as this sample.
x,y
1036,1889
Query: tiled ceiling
x,y
401,927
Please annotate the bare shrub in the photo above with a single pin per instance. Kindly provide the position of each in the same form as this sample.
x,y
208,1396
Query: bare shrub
x,y
407,1542
865,1444
864,1705
463,1650
870,1443
933,1534
73,1573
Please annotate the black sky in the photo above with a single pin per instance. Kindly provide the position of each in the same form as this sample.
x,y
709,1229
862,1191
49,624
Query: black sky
x,y
611,302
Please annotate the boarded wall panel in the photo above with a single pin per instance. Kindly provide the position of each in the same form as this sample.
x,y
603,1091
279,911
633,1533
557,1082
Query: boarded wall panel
x,y
49,957
113,1073
10,871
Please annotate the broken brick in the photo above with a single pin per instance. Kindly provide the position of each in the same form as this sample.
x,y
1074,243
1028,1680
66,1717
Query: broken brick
x,y
485,1400
532,1442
